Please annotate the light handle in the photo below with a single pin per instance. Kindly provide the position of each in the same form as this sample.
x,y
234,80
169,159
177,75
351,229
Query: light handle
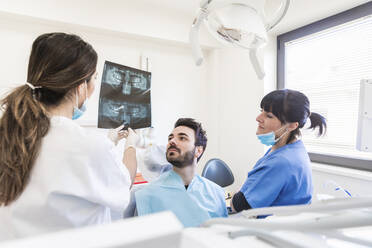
x,y
279,16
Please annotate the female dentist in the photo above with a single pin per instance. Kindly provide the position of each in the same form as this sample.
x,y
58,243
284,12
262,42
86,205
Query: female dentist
x,y
53,173
283,175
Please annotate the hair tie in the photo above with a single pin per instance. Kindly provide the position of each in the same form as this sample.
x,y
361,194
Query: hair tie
x,y
33,88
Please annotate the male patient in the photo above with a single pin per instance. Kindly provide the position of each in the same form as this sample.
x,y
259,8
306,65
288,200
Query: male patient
x,y
193,199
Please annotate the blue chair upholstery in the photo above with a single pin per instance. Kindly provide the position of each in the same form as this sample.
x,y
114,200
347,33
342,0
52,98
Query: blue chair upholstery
x,y
218,172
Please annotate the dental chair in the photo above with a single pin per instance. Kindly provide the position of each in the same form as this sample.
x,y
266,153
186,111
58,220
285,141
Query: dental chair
x,y
218,172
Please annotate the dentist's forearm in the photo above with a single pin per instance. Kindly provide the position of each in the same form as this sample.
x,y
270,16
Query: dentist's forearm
x,y
130,161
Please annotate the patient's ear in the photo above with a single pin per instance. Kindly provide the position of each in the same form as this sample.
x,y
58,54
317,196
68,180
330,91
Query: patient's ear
x,y
198,151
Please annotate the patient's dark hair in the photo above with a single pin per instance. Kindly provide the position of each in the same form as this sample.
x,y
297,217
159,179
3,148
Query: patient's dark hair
x,y
200,134
293,106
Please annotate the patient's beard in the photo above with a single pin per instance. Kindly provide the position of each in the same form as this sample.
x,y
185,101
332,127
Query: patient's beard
x,y
183,161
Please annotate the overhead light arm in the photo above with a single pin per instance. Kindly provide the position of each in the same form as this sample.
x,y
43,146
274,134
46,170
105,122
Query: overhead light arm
x,y
194,34
204,3
256,63
258,68
280,15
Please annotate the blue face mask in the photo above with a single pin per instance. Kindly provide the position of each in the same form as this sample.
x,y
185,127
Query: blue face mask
x,y
78,112
268,139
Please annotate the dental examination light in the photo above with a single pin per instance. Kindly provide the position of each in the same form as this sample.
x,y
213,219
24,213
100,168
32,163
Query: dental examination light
x,y
236,23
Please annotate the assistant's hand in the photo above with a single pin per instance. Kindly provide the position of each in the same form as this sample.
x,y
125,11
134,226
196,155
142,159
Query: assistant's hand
x,y
116,134
132,139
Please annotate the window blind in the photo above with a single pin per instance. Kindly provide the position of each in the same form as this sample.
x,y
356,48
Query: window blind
x,y
327,67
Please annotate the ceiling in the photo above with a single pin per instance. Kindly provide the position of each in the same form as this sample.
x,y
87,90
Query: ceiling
x,y
300,12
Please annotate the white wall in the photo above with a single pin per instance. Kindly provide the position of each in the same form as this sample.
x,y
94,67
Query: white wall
x,y
130,17
270,57
236,101
224,93
174,75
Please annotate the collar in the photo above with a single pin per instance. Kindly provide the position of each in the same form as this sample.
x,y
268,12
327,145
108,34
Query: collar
x,y
171,179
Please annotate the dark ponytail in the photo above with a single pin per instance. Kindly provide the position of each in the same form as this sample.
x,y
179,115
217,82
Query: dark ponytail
x,y
293,106
58,64
319,121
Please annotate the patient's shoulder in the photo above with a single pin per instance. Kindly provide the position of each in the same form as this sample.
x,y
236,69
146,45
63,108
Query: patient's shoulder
x,y
154,185
145,191
209,183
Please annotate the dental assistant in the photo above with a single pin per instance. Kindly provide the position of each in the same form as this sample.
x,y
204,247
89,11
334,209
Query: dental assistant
x,y
283,175
53,173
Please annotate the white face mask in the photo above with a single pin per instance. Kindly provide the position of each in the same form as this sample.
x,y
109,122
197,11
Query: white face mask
x,y
78,112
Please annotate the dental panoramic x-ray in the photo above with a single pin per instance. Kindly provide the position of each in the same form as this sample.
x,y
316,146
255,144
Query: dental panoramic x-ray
x,y
124,97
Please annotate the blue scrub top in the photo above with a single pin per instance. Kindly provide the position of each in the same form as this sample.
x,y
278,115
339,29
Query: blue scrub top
x,y
282,177
202,200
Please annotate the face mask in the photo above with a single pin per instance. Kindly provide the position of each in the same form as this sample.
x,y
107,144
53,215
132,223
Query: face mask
x,y
268,139
78,112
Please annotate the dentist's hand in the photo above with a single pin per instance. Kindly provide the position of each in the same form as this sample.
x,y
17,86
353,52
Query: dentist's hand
x,y
115,135
132,139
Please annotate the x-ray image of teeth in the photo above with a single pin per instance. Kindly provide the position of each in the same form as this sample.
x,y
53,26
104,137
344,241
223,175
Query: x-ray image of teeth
x,y
124,112
124,97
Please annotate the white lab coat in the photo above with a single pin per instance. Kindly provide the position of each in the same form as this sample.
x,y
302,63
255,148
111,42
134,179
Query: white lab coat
x,y
77,180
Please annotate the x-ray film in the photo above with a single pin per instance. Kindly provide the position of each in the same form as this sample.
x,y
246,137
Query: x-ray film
x,y
124,97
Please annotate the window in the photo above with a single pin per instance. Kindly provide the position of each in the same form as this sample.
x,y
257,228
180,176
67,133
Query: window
x,y
326,61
